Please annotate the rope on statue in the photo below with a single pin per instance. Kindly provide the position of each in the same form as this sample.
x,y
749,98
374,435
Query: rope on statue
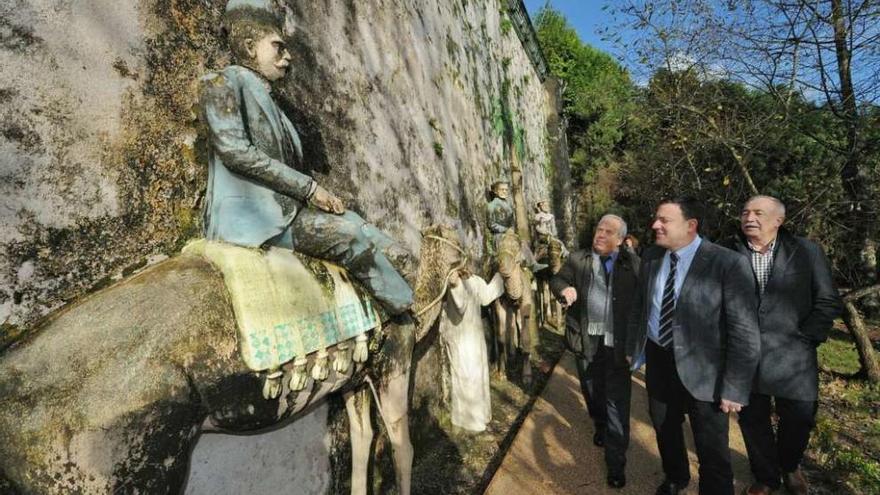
x,y
448,274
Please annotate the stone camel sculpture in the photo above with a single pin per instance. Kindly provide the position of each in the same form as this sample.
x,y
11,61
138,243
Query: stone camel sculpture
x,y
111,392
511,339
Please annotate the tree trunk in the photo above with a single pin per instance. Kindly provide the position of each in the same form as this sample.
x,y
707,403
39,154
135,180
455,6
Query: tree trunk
x,y
856,325
519,202
855,183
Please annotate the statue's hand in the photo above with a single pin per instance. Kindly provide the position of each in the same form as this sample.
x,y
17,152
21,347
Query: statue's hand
x,y
327,201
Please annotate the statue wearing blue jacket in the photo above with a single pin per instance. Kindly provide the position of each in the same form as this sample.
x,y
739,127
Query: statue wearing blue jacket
x,y
256,196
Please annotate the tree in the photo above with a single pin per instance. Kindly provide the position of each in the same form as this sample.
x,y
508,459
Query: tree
x,y
817,62
597,99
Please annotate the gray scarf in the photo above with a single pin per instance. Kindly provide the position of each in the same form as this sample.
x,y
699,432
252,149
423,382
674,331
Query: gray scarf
x,y
599,314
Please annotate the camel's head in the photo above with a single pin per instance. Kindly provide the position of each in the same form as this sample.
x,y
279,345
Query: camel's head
x,y
441,251
509,259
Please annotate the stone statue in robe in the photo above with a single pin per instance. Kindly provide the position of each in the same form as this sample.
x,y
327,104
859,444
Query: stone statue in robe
x,y
464,341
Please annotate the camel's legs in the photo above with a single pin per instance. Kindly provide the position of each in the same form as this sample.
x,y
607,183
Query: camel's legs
x,y
546,303
502,325
394,408
357,404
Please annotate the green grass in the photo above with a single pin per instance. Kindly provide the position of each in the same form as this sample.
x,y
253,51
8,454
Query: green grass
x,y
839,354
846,442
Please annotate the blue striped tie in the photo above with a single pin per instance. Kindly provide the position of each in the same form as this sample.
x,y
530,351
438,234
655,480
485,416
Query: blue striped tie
x,y
667,309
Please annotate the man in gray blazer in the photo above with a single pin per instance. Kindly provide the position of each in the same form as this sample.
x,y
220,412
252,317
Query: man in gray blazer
x,y
598,284
695,318
798,303
256,194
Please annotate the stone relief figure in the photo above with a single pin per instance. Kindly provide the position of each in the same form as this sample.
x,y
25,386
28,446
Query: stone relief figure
x,y
464,341
550,251
546,240
501,218
256,196
511,338
544,222
500,211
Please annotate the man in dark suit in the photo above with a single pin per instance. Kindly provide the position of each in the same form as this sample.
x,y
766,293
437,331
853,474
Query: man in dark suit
x,y
798,303
695,317
597,285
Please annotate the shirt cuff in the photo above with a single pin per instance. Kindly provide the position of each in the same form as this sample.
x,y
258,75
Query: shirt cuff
x,y
312,188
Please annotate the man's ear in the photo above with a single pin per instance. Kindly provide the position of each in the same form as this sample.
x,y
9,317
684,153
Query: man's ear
x,y
250,48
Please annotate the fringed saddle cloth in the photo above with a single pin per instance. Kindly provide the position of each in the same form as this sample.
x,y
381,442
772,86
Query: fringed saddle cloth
x,y
287,306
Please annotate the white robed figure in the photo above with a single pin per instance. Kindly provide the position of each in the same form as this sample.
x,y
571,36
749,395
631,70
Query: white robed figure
x,y
463,337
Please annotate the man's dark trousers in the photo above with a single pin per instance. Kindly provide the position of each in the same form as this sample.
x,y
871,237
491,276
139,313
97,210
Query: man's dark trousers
x,y
772,455
607,388
668,402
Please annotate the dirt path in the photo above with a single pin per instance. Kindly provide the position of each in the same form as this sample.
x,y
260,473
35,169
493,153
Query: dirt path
x,y
553,452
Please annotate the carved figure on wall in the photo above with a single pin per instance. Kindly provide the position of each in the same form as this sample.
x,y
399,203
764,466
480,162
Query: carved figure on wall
x,y
550,251
501,218
544,222
500,211
464,341
256,196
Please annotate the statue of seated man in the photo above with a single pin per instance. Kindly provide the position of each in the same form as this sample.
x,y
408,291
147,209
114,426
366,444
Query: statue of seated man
x,y
500,211
544,225
501,218
544,221
256,196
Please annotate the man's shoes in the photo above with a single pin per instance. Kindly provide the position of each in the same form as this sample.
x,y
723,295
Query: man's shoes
x,y
616,480
670,488
599,437
757,488
796,482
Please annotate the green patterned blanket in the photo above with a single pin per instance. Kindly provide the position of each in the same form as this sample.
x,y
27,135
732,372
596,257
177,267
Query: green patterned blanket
x,y
287,305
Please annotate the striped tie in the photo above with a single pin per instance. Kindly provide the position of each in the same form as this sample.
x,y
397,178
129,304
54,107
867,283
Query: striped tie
x,y
667,310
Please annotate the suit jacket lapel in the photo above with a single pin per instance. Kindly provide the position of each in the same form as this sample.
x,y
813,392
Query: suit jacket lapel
x,y
784,252
700,263
256,93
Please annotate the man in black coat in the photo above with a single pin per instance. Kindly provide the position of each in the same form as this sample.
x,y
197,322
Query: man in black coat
x,y
597,285
695,317
798,303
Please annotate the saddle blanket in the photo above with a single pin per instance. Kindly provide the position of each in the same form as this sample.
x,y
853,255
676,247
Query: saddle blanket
x,y
287,305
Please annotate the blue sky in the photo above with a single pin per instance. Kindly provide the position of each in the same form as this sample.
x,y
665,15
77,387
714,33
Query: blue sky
x,y
586,16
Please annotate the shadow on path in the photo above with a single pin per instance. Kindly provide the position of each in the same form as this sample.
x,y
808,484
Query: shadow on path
x,y
553,453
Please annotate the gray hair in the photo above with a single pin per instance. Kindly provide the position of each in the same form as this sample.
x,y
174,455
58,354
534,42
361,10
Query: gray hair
x,y
779,205
611,216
